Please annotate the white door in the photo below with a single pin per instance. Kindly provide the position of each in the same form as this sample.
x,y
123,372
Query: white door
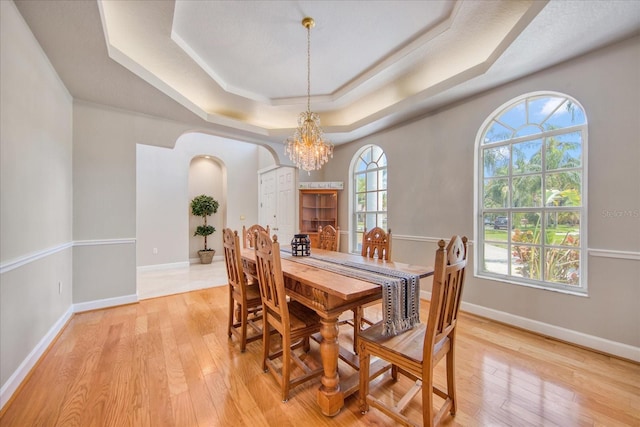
x,y
278,201
286,211
268,202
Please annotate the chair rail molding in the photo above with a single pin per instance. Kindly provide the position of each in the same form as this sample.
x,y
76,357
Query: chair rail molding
x,y
99,242
610,253
34,256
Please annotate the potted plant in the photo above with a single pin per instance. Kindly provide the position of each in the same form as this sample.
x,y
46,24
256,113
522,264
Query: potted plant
x,y
204,206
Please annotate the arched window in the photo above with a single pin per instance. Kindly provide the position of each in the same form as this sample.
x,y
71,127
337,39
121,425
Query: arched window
x,y
531,196
369,192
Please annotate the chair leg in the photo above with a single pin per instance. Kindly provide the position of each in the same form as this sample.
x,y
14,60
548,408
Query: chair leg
x,y
238,306
265,342
357,326
364,381
286,367
451,379
243,328
427,399
232,304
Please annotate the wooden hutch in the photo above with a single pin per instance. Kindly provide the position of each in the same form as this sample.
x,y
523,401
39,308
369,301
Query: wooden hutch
x,y
318,207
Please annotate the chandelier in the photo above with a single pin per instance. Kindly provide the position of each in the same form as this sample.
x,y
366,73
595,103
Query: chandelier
x,y
307,148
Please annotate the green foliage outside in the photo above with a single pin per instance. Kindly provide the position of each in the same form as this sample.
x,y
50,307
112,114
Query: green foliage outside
x,y
558,256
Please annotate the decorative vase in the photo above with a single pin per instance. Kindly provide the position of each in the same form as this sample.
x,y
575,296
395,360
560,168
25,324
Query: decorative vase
x,y
206,256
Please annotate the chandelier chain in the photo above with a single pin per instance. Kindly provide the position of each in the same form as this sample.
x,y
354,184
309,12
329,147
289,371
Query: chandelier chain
x,y
308,68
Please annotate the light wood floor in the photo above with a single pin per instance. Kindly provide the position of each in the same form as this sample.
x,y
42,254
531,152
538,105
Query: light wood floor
x,y
168,362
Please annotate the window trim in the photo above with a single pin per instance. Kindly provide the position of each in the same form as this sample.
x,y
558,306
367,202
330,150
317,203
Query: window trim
x,y
352,193
478,225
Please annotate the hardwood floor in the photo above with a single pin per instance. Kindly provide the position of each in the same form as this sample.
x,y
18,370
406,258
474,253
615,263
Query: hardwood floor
x,y
168,362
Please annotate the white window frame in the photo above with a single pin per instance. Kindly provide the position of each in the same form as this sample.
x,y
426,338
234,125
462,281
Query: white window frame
x,y
353,239
479,225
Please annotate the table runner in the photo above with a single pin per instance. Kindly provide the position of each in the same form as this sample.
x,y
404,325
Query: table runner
x,y
400,290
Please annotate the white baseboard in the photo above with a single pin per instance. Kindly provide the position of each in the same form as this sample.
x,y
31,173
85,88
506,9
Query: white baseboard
x,y
197,260
614,348
168,266
104,303
14,381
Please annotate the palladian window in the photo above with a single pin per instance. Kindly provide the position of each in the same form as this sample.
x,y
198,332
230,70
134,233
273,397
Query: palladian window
x,y
531,198
369,192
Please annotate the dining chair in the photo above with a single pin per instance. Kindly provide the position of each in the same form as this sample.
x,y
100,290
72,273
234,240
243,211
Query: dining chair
x,y
294,322
245,303
376,243
248,234
248,237
329,238
416,352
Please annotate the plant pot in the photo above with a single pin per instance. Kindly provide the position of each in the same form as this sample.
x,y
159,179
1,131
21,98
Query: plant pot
x,y
206,256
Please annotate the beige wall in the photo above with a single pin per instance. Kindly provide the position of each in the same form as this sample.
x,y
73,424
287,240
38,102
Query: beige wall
x,y
431,191
163,194
68,193
104,203
35,193
161,207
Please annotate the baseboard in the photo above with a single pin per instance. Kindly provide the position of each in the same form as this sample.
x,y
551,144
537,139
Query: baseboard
x,y
197,260
581,339
19,375
168,266
104,303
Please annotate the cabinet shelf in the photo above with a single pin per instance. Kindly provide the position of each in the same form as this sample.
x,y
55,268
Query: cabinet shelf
x,y
318,207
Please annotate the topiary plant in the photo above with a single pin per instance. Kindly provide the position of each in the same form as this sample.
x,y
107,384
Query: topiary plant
x,y
204,206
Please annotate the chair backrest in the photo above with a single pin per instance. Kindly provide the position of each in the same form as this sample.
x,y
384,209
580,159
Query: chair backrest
x,y
248,234
233,260
329,238
271,281
446,292
376,244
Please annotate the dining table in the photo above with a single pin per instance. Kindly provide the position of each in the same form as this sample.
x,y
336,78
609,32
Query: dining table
x,y
330,293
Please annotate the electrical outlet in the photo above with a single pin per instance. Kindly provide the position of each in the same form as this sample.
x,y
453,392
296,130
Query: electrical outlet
x,y
155,251
60,287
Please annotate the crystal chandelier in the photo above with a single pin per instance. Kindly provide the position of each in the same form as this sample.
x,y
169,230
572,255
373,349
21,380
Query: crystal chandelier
x,y
307,148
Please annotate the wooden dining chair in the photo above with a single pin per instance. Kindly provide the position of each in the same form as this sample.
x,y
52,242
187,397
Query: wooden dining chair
x,y
248,238
294,322
329,238
245,303
376,243
416,352
248,234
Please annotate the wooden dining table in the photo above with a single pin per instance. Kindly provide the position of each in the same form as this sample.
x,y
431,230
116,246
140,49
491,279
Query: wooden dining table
x,y
330,294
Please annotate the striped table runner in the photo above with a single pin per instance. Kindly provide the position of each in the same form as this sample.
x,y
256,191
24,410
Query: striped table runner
x,y
400,290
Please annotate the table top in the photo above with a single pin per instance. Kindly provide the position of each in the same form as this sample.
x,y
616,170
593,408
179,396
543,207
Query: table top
x,y
343,287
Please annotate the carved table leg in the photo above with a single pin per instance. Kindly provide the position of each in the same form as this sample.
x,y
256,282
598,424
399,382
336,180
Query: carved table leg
x,y
330,397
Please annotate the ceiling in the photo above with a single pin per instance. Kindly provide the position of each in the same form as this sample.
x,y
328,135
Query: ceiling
x,y
238,68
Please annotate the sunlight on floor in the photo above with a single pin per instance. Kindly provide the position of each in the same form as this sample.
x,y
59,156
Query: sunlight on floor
x,y
155,283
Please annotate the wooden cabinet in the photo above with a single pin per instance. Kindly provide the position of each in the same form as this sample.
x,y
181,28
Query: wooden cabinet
x,y
317,208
